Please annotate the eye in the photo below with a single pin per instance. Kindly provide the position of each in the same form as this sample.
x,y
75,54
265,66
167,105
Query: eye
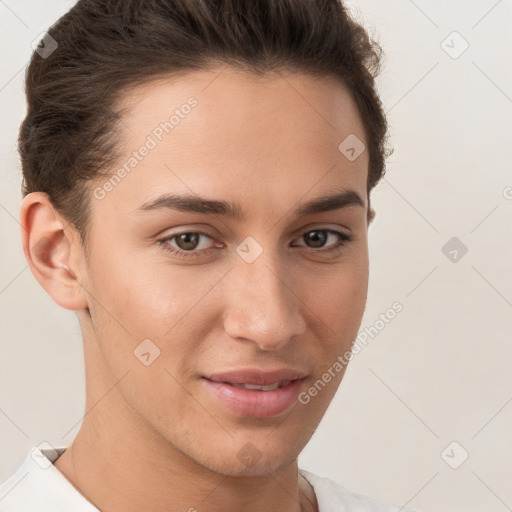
x,y
188,244
317,239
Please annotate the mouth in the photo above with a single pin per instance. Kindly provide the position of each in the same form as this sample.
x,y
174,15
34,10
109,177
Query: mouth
x,y
257,377
269,387
256,393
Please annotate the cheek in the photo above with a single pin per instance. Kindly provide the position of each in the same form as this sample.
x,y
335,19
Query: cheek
x,y
338,301
145,296
139,300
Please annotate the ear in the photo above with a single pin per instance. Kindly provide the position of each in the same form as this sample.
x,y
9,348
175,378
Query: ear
x,y
53,251
371,214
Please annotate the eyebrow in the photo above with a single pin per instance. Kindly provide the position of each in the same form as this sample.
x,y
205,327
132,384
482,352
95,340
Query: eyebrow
x,y
198,204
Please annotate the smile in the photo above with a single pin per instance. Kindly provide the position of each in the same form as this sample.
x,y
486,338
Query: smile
x,y
255,393
269,387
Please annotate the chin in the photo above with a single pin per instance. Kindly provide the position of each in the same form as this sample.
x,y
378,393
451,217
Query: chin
x,y
248,460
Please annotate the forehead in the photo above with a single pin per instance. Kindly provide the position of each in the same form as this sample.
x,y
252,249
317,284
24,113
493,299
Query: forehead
x,y
229,99
224,130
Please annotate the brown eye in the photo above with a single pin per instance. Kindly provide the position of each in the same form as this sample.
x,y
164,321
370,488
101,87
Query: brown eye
x,y
317,239
187,241
187,244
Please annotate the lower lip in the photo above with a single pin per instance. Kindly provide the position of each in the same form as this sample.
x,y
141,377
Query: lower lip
x,y
256,403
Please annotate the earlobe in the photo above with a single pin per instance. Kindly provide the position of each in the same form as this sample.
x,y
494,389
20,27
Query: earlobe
x,y
48,248
371,215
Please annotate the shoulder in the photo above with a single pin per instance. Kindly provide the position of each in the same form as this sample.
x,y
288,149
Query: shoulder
x,y
38,486
333,497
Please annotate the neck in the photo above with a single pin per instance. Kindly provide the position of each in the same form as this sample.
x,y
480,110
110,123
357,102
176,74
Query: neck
x,y
120,465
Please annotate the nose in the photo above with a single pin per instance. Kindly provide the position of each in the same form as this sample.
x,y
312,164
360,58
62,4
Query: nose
x,y
261,305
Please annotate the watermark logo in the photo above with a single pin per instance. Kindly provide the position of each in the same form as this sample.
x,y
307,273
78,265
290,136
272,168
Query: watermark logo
x,y
352,147
146,352
44,45
454,45
455,455
44,460
342,360
454,249
249,455
157,135
249,250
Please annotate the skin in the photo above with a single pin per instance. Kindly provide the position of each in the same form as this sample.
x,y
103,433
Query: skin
x,y
153,437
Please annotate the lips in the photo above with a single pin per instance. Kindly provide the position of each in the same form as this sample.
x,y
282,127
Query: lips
x,y
255,377
256,393
269,387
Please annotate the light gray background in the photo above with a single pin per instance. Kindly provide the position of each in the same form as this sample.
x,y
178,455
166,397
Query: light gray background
x,y
440,371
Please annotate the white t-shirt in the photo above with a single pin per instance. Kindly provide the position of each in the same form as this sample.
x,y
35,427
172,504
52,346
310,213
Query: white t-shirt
x,y
38,486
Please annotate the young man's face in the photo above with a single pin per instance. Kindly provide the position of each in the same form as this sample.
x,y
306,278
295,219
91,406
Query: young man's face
x,y
268,292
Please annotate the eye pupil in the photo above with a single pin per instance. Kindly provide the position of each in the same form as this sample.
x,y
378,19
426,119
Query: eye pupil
x,y
317,237
186,238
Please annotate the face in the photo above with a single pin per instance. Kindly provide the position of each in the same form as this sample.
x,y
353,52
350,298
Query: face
x,y
194,303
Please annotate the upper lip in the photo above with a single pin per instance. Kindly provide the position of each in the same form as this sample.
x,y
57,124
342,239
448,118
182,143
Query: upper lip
x,y
256,376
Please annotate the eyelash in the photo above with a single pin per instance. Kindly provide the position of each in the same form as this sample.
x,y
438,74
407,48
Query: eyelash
x,y
343,239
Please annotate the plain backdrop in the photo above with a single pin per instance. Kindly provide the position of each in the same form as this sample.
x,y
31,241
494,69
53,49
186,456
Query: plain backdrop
x,y
433,386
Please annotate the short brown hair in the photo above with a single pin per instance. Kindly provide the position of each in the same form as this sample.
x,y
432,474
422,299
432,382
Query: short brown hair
x,y
106,47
